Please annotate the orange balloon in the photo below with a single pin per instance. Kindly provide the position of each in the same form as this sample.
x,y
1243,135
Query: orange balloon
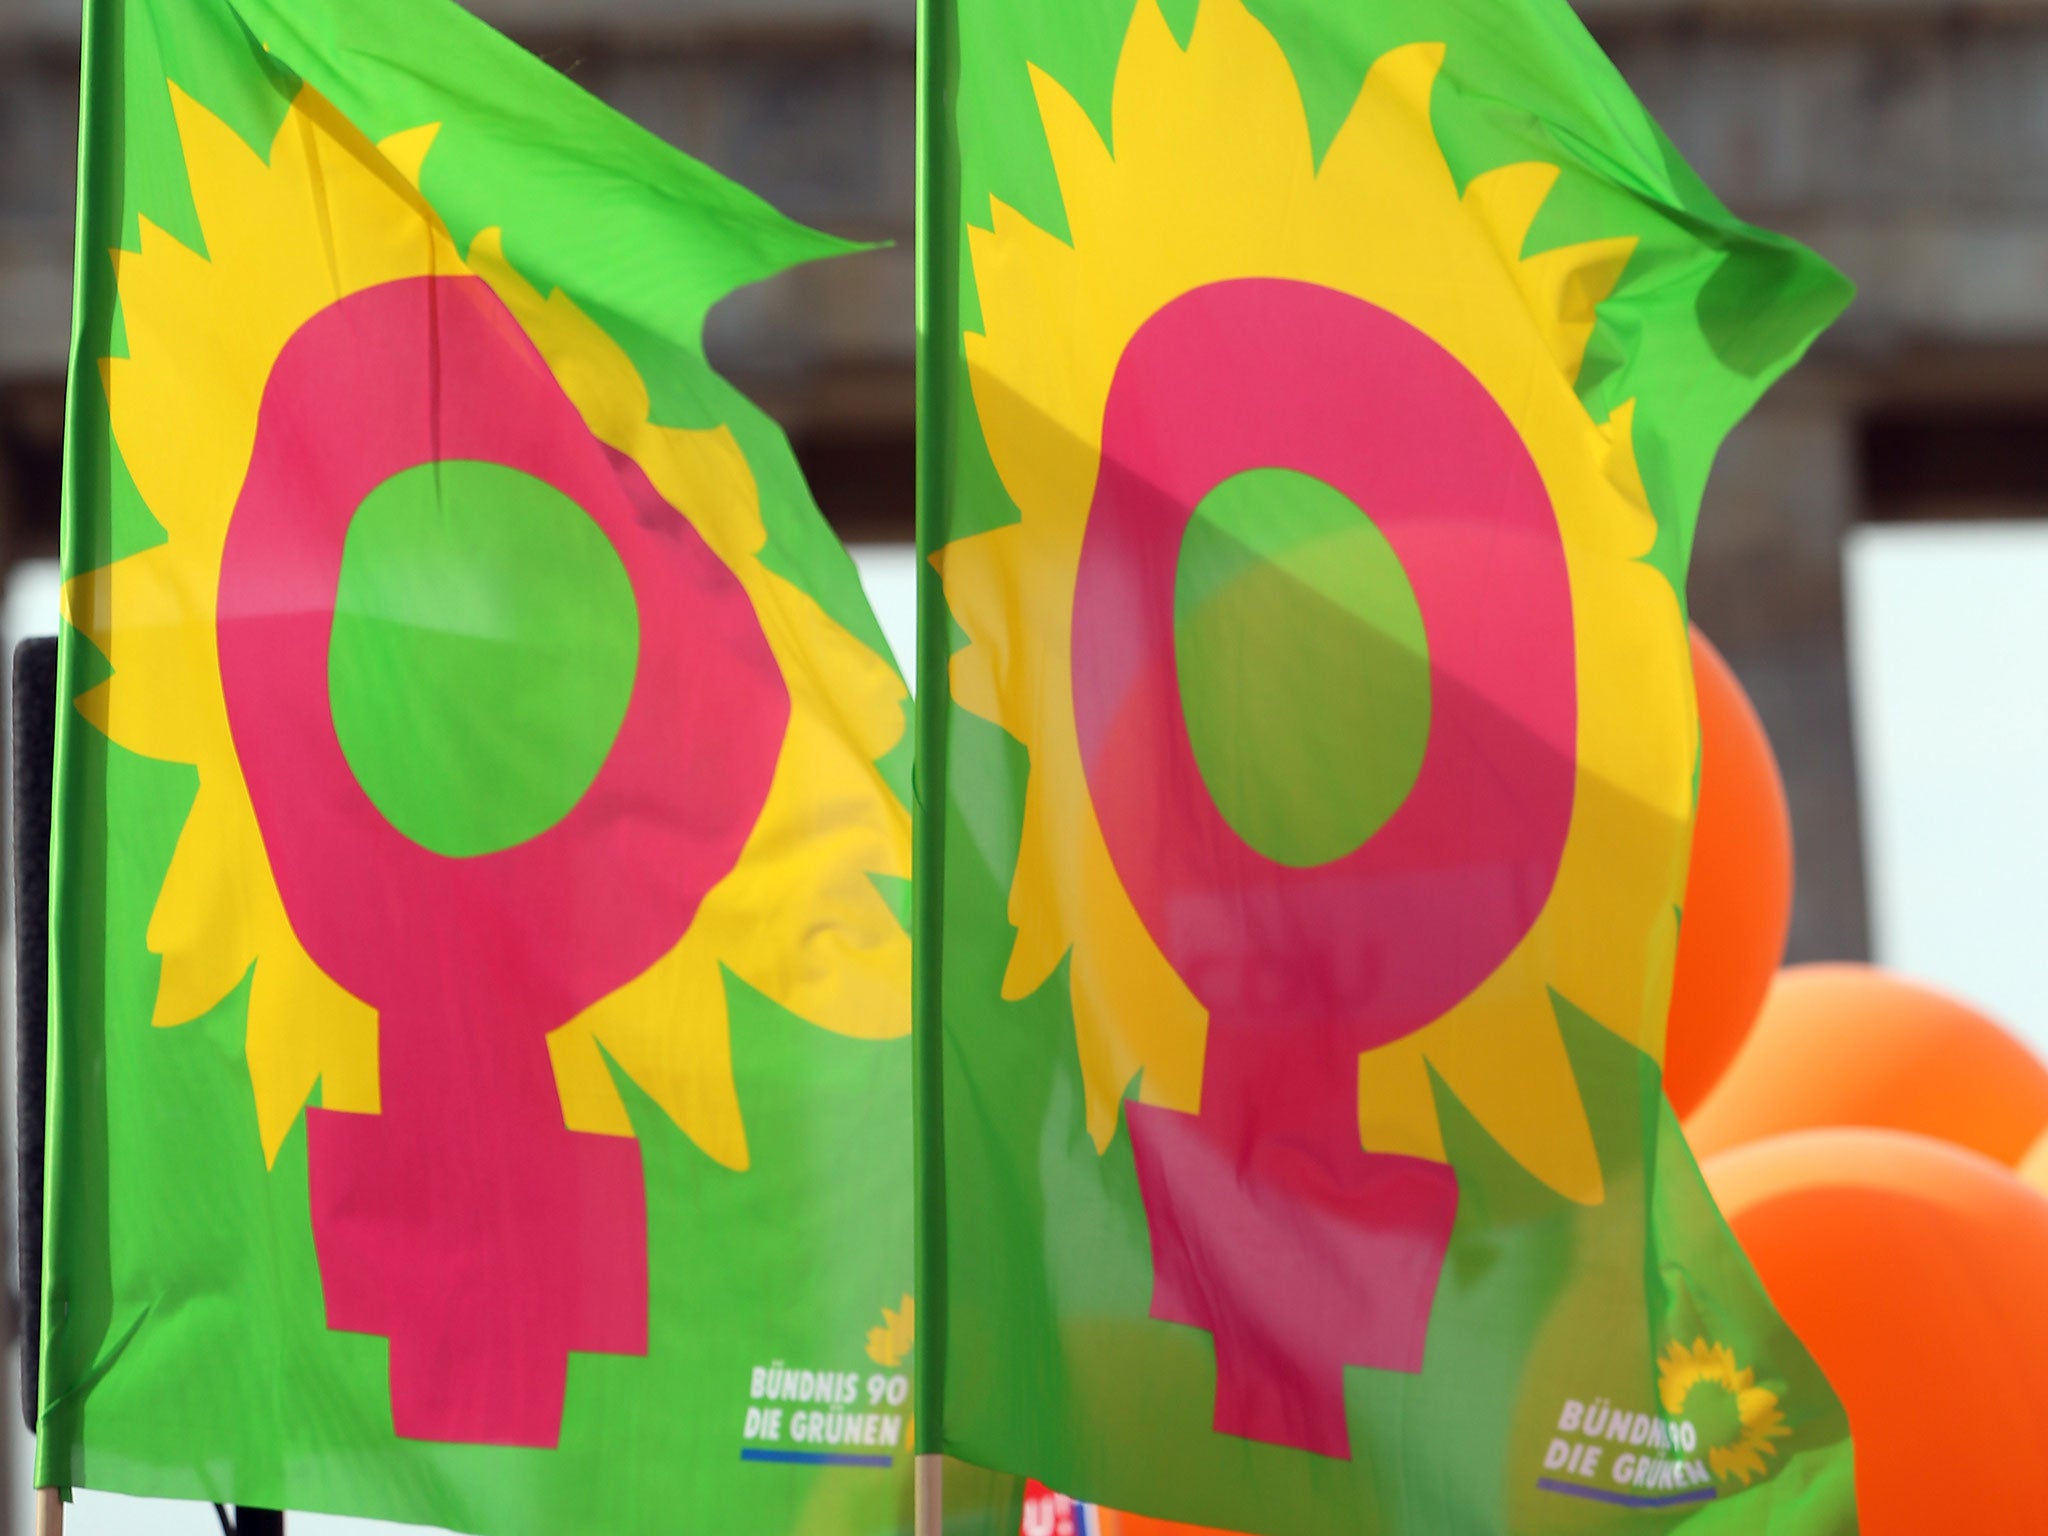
x,y
1145,1525
1738,894
1849,1045
1914,1272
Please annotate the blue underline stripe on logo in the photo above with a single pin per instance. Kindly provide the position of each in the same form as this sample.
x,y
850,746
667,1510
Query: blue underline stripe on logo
x,y
1626,1500
814,1458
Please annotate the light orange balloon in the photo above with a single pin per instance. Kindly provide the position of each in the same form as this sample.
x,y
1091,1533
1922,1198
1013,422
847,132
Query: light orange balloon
x,y
1738,893
1914,1271
1850,1045
2033,1169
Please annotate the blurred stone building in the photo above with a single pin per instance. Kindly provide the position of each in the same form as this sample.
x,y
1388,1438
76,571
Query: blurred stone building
x,y
1906,139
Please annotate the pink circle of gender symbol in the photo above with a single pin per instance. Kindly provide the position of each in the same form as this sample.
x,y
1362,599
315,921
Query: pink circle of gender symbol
x,y
1271,1227
465,1222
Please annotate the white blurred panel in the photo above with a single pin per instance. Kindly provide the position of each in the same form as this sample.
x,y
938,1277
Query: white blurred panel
x,y
110,1514
1948,661
889,572
31,602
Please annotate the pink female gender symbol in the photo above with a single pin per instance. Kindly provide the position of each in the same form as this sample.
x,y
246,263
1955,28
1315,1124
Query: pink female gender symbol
x,y
465,1222
1271,1227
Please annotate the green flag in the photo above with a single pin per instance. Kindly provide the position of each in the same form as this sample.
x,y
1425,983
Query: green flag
x,y
479,1093
1317,402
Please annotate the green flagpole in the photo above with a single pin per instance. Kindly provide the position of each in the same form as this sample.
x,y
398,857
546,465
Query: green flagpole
x,y
99,31
936,197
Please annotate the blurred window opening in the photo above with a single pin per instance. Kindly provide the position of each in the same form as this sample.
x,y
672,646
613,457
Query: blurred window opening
x,y
865,480
1955,462
31,467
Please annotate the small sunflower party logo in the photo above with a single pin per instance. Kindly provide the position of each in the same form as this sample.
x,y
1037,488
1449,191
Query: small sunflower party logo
x,y
890,1343
1737,1419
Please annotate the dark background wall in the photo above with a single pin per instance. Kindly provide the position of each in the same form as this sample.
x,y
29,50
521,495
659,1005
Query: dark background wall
x,y
1906,139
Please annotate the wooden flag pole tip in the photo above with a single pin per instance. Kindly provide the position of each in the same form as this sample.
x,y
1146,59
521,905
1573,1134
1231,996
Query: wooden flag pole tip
x,y
930,1495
